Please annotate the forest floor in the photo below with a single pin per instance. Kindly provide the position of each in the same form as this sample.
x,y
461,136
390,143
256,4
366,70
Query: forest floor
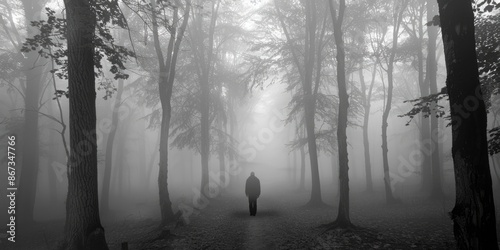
x,y
282,222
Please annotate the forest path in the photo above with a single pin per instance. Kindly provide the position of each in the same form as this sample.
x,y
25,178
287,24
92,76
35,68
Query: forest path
x,y
263,229
284,222
226,223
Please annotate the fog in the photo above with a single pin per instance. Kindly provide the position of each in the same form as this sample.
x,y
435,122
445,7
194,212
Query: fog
x,y
194,99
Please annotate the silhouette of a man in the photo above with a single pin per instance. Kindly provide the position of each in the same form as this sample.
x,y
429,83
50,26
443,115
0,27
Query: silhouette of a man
x,y
252,190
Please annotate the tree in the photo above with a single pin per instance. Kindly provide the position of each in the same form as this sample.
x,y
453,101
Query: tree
x,y
365,17
366,98
83,229
474,223
167,67
414,27
204,56
431,75
343,219
108,162
397,18
308,83
33,68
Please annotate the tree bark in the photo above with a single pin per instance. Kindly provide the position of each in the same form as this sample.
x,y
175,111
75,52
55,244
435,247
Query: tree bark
x,y
474,223
302,185
165,87
343,218
83,228
222,149
390,79
366,119
309,101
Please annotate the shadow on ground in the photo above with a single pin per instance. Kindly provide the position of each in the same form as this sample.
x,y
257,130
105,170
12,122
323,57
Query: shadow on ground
x,y
263,213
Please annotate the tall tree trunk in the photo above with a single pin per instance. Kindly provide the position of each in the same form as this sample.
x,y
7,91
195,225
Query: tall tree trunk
x,y
222,150
51,173
109,150
205,134
232,130
119,170
474,223
390,78
310,102
33,69
204,60
425,130
436,190
83,228
309,98
294,175
165,87
343,219
302,169
366,119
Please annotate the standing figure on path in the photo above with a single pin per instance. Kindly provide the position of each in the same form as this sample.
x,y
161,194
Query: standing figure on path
x,y
252,190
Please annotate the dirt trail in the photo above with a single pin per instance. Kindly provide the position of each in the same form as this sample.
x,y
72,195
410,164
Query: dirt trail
x,y
227,223
283,222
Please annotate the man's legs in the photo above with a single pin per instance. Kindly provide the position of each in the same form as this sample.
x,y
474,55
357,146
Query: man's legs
x,y
254,206
252,203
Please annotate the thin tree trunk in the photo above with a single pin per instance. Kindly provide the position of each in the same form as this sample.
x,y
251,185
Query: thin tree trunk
x,y
119,171
309,101
294,176
222,147
366,119
343,219
437,190
51,174
33,69
165,87
302,169
390,78
302,185
204,59
474,223
425,131
109,150
205,134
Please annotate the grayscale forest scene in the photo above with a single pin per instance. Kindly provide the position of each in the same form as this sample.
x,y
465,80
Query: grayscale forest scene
x,y
250,124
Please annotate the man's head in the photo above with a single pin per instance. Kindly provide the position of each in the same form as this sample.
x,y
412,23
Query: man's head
x,y
252,174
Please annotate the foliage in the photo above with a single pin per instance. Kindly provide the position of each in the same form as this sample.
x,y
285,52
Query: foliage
x,y
482,6
487,36
425,106
50,41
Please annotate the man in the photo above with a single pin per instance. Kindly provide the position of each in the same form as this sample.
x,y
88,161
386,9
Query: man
x,y
252,190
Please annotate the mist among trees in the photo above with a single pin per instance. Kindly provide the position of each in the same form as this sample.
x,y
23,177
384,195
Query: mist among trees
x,y
263,124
